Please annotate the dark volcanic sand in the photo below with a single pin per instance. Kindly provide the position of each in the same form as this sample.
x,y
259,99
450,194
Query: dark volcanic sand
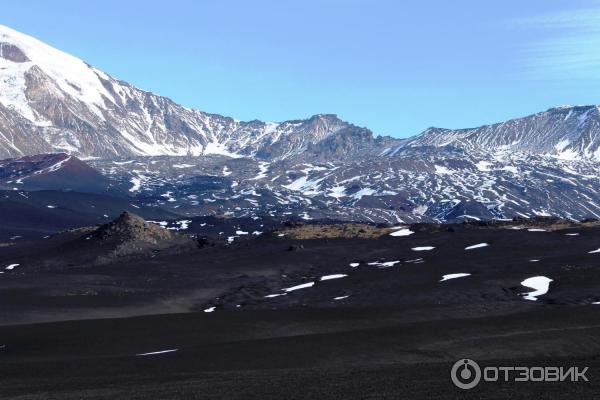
x,y
395,336
301,354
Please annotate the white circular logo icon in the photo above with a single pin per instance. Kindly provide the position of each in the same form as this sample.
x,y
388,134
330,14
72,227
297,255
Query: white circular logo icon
x,y
465,374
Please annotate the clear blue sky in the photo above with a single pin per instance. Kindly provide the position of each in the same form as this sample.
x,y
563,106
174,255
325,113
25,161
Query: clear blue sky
x,y
396,67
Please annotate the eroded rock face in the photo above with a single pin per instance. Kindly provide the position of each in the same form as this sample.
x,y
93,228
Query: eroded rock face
x,y
10,52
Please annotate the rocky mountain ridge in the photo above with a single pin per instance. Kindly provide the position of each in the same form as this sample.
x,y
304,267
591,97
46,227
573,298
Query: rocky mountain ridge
x,y
566,132
52,102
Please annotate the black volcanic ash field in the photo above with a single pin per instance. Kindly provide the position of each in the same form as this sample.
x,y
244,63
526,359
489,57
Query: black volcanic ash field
x,y
274,316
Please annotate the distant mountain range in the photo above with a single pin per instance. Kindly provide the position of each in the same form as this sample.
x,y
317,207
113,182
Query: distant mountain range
x,y
567,132
53,102
143,147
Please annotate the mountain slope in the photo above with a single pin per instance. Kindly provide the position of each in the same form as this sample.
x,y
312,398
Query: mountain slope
x,y
321,167
429,184
568,132
53,102
52,172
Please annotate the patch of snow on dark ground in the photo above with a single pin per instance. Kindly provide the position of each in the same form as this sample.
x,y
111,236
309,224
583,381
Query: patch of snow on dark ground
x,y
454,276
541,284
477,246
423,248
334,276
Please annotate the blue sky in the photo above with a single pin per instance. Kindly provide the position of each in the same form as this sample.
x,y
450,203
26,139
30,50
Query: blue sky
x,y
396,67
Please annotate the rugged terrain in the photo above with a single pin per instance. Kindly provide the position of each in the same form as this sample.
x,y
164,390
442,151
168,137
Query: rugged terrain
x,y
148,250
145,148
437,185
302,311
53,102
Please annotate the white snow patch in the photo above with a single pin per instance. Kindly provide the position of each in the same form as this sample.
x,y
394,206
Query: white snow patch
x,y
219,148
384,264
477,246
137,184
263,168
169,196
305,216
334,276
483,166
562,145
541,284
423,248
183,225
302,286
454,276
157,352
182,166
402,232
363,192
441,170
337,192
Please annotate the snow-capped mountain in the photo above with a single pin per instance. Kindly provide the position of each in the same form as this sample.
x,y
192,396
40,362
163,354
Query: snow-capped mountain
x,y
53,102
147,149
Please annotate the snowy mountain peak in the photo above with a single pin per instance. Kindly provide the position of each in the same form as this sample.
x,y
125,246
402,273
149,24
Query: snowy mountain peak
x,y
20,52
51,101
